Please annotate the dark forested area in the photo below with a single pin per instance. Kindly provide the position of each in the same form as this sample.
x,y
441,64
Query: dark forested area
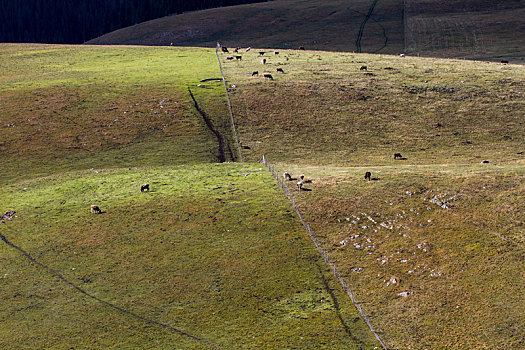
x,y
76,21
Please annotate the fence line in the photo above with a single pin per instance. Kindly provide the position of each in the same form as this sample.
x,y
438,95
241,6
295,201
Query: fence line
x,y
229,102
347,289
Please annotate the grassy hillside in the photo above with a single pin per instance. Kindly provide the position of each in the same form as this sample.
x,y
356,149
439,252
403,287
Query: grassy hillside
x,y
213,250
232,266
434,244
475,29
322,25
70,107
324,109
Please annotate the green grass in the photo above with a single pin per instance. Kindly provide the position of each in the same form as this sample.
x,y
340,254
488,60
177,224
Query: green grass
x,y
72,107
235,268
324,118
327,119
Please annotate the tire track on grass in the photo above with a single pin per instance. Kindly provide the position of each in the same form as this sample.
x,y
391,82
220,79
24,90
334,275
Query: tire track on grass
x,y
383,29
113,306
362,26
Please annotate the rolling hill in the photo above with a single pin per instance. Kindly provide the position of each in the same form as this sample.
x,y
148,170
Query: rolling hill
x,y
476,29
432,246
212,257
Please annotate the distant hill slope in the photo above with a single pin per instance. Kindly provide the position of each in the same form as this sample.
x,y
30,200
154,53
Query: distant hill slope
x,y
475,29
326,25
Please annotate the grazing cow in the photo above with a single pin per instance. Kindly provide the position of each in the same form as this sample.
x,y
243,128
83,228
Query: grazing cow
x,y
144,187
397,156
280,70
268,76
238,57
368,176
224,49
504,61
229,58
301,48
402,55
363,68
276,53
255,73
261,53
95,209
263,61
300,183
287,176
248,49
171,44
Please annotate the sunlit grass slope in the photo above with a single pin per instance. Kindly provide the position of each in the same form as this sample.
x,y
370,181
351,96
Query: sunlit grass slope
x,y
71,107
230,265
213,250
357,109
434,244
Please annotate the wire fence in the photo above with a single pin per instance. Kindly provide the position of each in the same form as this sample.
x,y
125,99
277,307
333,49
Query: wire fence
x,y
229,102
346,288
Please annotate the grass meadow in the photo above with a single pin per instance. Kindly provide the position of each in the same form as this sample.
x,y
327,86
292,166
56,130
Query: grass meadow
x,y
75,107
214,250
433,244
231,265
